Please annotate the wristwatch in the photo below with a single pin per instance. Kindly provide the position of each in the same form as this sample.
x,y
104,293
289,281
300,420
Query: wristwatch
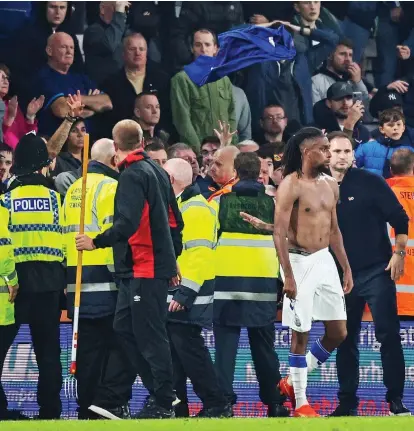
x,y
401,253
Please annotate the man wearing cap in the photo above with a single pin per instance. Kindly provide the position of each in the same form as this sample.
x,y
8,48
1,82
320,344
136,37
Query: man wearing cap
x,y
36,233
339,112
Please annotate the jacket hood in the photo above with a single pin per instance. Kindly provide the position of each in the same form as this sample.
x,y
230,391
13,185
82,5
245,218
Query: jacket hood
x,y
190,192
39,13
324,117
95,167
325,71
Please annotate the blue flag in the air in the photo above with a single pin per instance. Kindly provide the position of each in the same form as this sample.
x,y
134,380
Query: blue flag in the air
x,y
240,48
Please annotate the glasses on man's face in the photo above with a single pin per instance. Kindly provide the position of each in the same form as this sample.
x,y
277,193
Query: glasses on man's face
x,y
274,118
5,77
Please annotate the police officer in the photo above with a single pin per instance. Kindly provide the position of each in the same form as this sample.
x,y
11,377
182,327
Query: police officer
x,y
100,374
191,303
8,290
246,285
36,230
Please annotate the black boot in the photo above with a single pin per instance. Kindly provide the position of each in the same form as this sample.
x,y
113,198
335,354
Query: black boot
x,y
397,408
154,411
182,410
225,411
277,411
343,410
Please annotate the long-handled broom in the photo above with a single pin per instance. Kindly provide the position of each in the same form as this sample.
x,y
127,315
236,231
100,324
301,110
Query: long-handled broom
x,y
79,264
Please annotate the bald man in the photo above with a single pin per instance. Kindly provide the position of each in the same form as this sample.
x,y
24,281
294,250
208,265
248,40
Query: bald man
x,y
101,373
57,82
222,170
146,239
138,75
191,302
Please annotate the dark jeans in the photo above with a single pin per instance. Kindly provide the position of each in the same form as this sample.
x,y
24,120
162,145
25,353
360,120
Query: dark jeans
x,y
192,359
42,312
375,287
7,335
265,360
101,367
140,322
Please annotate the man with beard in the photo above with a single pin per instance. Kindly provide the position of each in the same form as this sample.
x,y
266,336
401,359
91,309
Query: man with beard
x,y
340,68
273,123
338,112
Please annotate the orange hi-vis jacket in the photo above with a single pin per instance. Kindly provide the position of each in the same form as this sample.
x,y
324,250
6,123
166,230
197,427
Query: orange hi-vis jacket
x,y
403,187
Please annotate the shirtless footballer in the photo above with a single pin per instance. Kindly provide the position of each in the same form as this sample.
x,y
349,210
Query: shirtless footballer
x,y
306,215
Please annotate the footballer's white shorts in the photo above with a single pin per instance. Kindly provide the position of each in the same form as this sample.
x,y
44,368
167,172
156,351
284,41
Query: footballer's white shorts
x,y
319,292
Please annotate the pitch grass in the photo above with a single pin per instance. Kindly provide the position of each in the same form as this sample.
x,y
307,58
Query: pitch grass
x,y
264,424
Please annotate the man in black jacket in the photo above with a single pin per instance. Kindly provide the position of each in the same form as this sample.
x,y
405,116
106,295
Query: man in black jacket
x,y
138,75
366,204
146,238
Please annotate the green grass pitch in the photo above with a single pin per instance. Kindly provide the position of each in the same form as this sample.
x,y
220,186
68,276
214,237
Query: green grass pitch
x,y
264,424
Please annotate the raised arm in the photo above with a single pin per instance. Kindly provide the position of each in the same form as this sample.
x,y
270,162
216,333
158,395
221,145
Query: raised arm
x,y
287,195
337,245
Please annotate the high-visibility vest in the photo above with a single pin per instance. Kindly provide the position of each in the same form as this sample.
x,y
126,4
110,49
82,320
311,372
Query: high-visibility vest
x,y
8,275
35,223
247,269
99,291
196,262
403,187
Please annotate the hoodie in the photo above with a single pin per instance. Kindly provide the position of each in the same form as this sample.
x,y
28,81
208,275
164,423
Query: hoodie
x,y
325,78
374,156
326,120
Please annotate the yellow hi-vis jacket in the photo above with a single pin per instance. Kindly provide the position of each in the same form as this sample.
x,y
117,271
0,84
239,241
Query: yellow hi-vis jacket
x,y
403,187
98,289
35,223
196,262
8,275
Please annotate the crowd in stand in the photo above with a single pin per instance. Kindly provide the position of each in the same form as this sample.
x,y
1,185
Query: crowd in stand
x,y
125,79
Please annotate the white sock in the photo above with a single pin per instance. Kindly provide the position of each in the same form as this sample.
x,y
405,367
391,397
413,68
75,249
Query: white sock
x,y
299,378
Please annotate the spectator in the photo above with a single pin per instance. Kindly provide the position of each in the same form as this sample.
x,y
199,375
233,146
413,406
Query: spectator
x,y
374,156
102,41
147,113
402,184
208,148
218,17
6,161
267,167
137,76
289,83
247,146
272,124
70,157
49,18
197,110
340,67
339,112
156,151
366,204
15,125
185,152
243,114
57,82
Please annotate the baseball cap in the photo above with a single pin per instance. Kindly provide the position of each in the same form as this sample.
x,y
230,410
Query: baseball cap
x,y
384,100
339,90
